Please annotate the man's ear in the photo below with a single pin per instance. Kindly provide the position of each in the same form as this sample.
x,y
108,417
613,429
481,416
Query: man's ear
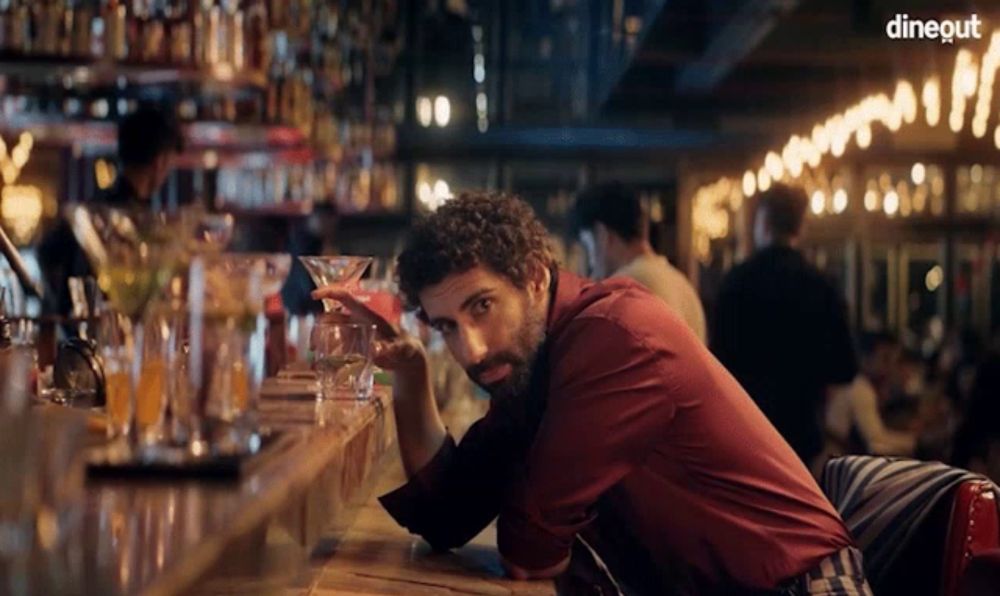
x,y
539,277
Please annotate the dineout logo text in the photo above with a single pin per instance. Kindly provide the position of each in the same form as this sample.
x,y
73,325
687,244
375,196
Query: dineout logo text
x,y
947,30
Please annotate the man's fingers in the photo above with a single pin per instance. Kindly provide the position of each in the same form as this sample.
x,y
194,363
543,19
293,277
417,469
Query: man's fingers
x,y
359,310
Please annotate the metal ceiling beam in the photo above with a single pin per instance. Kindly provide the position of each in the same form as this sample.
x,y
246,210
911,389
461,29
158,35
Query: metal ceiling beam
x,y
606,85
564,141
750,24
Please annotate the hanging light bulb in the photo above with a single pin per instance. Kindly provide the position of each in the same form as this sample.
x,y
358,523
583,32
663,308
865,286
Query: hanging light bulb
x,y
763,180
749,184
891,203
774,166
839,200
821,138
817,202
864,136
871,200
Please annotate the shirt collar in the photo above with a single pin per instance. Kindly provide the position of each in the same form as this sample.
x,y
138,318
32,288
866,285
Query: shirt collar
x,y
565,289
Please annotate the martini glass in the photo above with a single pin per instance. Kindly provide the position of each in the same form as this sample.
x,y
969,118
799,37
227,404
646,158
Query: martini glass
x,y
134,253
339,270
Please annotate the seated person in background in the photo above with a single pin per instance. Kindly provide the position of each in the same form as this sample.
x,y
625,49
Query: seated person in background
x,y
977,441
609,424
613,228
854,424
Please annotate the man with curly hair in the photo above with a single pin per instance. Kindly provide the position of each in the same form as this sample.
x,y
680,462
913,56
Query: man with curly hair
x,y
612,431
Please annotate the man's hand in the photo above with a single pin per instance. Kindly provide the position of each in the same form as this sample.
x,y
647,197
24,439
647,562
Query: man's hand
x,y
394,350
418,424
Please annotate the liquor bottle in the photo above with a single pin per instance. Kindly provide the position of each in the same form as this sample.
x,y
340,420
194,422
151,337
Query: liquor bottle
x,y
79,20
7,10
115,22
180,29
258,52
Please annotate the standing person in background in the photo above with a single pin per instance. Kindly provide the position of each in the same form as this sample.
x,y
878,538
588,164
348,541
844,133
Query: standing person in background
x,y
780,326
612,226
148,140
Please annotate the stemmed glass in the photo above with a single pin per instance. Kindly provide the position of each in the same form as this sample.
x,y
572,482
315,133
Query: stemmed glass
x,y
134,253
325,271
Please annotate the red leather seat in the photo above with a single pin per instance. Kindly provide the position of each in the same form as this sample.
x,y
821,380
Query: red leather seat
x,y
973,531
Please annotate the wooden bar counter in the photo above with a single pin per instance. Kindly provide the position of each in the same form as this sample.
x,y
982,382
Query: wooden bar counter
x,y
304,522
166,536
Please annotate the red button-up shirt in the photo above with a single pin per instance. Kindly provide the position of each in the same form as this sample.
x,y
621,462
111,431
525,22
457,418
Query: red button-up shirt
x,y
636,435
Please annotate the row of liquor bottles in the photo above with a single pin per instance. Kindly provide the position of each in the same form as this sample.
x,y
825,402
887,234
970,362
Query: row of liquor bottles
x,y
352,189
333,40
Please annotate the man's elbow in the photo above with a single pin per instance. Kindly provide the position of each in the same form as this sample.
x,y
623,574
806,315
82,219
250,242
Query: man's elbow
x,y
517,572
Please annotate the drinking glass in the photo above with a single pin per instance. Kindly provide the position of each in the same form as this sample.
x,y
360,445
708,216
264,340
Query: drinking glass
x,y
225,348
343,363
134,253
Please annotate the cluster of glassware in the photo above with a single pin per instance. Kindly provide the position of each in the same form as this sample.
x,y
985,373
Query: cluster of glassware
x,y
342,352
186,336
183,351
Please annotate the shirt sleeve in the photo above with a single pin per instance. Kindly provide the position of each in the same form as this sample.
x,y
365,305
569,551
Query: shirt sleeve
x,y
460,491
607,404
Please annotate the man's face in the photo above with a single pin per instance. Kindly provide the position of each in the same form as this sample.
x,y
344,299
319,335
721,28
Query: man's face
x,y
493,328
596,251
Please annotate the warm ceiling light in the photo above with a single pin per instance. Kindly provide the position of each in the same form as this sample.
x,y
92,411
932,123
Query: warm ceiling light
x,y
774,166
864,136
818,202
749,183
891,203
871,200
763,180
442,110
21,210
918,173
425,111
839,201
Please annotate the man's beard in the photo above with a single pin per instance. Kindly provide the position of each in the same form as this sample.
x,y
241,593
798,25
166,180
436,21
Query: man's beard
x,y
528,341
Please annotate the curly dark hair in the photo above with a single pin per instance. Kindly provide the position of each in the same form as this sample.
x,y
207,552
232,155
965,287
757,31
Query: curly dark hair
x,y
495,230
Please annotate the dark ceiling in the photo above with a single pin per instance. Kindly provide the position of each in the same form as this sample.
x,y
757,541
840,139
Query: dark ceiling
x,y
707,63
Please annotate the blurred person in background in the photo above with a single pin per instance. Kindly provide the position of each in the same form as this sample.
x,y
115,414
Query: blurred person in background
x,y
781,327
613,228
148,141
854,423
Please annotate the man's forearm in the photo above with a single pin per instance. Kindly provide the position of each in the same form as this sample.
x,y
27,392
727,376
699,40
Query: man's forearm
x,y
418,423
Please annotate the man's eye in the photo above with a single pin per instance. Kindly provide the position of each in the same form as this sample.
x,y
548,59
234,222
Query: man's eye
x,y
482,306
445,329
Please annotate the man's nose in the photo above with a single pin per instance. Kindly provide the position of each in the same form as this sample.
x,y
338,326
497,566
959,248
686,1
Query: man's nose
x,y
471,347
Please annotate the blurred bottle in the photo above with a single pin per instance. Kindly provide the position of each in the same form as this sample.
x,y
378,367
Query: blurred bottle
x,y
116,36
17,363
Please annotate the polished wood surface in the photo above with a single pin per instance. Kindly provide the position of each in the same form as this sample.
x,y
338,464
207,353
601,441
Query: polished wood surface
x,y
376,556
162,536
306,522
